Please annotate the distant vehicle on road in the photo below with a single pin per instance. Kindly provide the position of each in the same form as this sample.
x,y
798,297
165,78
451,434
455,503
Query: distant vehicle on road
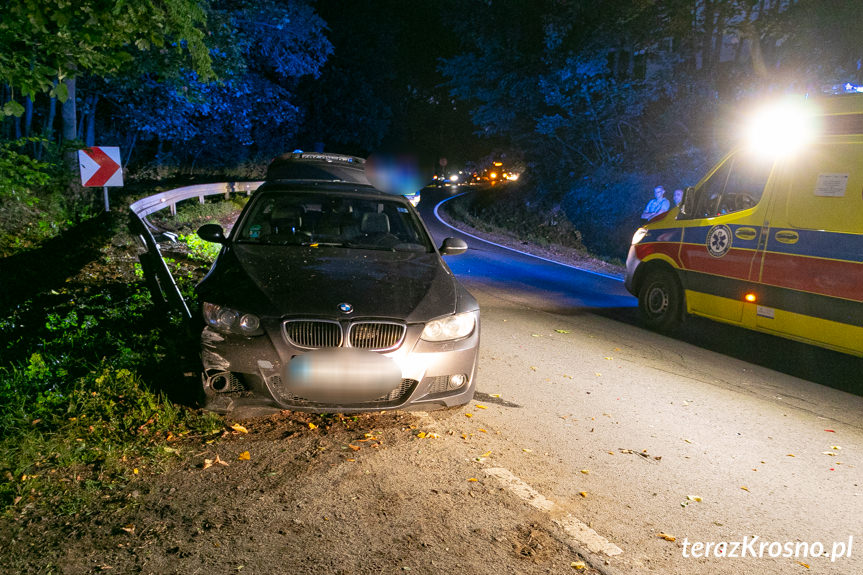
x,y
772,238
329,296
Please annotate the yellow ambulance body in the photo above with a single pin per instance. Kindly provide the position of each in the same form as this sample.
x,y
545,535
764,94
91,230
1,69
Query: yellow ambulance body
x,y
770,242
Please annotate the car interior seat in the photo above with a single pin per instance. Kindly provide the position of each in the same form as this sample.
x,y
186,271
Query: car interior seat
x,y
373,224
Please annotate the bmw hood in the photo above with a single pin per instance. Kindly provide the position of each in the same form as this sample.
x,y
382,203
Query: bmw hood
x,y
315,282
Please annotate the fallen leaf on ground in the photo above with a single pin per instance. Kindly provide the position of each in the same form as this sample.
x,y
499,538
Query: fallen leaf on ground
x,y
421,435
354,447
478,406
666,536
486,454
240,428
495,395
578,565
835,447
790,455
135,471
609,358
803,564
483,430
830,453
244,456
583,493
472,479
171,450
526,450
468,415
694,498
312,426
586,471
687,440
533,367
432,436
744,488
130,529
829,431
562,331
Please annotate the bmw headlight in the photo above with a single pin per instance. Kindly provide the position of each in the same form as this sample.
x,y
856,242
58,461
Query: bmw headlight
x,y
227,320
453,327
638,235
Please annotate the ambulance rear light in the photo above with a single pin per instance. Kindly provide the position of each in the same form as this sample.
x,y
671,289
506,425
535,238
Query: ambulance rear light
x,y
750,297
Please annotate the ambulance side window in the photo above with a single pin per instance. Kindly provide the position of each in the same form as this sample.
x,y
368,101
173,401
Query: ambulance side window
x,y
737,185
708,195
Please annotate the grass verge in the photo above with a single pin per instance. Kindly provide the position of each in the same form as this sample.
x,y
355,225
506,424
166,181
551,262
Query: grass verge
x,y
80,412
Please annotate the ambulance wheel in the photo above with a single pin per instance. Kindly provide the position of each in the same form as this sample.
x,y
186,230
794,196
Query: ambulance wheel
x,y
660,300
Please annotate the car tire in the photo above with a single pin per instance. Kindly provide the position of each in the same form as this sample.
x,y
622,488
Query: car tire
x,y
660,300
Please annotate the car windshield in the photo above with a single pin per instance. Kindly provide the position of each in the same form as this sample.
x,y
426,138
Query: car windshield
x,y
330,219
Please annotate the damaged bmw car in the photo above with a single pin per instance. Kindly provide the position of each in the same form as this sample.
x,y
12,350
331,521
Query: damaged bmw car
x,y
329,296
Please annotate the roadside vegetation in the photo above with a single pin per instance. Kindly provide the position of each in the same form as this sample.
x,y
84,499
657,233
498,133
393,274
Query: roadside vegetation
x,y
91,386
508,208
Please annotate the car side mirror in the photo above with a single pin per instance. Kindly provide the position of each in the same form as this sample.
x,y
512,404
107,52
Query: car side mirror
x,y
212,233
453,247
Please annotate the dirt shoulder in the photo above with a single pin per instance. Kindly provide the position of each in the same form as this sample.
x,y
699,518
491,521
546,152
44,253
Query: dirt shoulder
x,y
295,493
562,254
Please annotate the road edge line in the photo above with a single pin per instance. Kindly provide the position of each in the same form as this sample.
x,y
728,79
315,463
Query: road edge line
x,y
584,540
437,215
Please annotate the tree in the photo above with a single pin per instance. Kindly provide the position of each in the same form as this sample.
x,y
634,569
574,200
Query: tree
x,y
46,40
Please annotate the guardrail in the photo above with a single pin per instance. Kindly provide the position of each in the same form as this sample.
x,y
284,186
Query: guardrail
x,y
163,288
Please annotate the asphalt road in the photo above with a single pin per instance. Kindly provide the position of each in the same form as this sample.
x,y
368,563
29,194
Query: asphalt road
x,y
715,435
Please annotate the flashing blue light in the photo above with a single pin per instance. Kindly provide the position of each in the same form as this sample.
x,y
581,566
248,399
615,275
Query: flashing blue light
x,y
852,88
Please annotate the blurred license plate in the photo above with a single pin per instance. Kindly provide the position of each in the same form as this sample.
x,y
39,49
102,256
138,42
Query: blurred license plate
x,y
342,376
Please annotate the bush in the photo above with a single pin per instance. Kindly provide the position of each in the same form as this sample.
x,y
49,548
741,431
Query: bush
x,y
513,208
76,416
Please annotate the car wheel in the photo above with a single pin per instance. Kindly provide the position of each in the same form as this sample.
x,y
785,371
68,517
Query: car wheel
x,y
660,300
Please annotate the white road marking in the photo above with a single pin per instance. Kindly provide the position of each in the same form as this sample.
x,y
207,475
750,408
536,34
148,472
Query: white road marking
x,y
595,542
579,531
521,489
437,215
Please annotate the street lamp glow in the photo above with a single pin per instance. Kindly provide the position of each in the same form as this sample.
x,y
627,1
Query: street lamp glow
x,y
453,178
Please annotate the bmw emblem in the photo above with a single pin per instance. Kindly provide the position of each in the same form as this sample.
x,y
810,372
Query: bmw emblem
x,y
346,308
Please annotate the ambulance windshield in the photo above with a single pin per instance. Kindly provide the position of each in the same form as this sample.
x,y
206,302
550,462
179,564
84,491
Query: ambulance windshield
x,y
734,186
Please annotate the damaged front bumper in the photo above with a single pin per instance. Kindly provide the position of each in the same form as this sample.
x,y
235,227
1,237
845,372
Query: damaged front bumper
x,y
268,371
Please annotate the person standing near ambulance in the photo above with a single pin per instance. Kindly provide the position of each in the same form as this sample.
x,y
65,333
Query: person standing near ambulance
x,y
658,205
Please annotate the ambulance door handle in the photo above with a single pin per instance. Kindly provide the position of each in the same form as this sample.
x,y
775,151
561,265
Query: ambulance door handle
x,y
787,236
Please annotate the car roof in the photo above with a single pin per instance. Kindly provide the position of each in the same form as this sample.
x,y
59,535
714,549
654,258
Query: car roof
x,y
333,187
319,167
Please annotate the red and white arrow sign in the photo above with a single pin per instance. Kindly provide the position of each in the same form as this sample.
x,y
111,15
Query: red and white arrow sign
x,y
100,166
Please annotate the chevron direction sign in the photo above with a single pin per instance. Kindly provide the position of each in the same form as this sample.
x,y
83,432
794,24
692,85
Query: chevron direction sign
x,y
100,166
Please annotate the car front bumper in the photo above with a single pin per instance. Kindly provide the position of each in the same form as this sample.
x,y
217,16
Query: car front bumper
x,y
255,371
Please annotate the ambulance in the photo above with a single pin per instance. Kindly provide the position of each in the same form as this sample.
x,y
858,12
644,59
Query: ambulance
x,y
771,239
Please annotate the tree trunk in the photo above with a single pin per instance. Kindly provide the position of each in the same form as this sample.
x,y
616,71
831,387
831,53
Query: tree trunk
x,y
90,125
28,116
69,113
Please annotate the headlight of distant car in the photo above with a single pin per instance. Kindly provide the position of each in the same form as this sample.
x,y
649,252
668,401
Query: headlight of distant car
x,y
452,327
638,235
227,320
